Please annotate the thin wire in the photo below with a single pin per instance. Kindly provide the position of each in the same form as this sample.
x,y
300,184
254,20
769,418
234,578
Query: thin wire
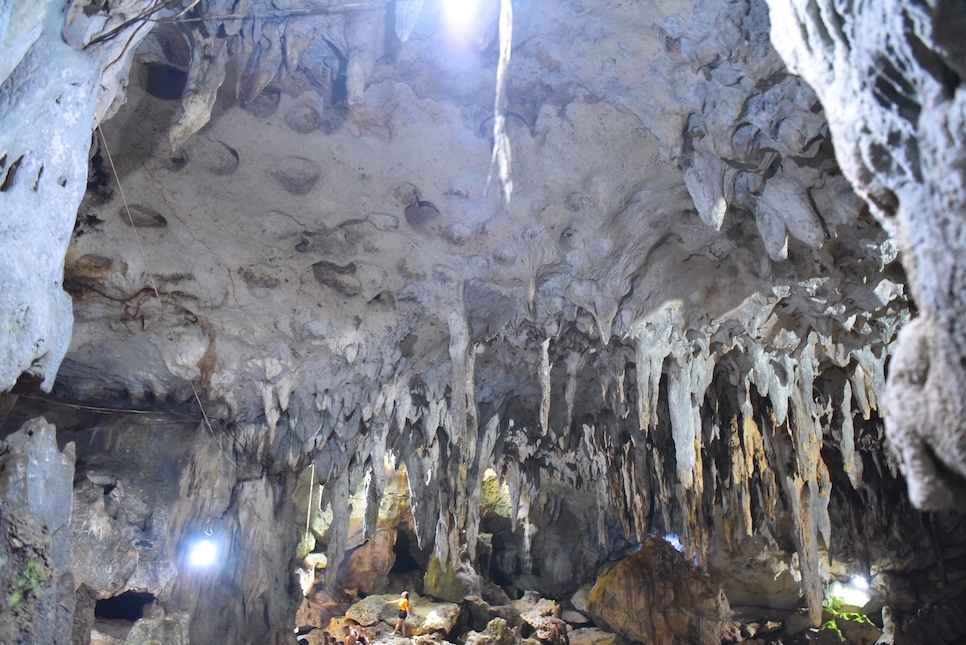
x,y
308,517
283,13
157,293
94,408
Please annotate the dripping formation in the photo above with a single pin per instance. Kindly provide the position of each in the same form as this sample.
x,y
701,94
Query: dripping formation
x,y
683,320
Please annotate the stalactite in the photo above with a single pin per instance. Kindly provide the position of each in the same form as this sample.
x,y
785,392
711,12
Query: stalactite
x,y
852,462
653,339
375,478
337,494
206,73
407,13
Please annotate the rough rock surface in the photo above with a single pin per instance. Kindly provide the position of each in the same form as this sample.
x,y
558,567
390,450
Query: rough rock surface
x,y
682,319
36,589
496,633
889,76
657,596
338,305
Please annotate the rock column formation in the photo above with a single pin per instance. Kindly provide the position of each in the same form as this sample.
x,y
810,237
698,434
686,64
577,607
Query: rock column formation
x,y
36,586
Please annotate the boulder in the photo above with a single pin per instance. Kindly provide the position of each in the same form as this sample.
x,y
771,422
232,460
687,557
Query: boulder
x,y
542,616
579,599
658,596
426,616
496,633
371,609
574,617
855,630
592,636
481,612
367,567
314,637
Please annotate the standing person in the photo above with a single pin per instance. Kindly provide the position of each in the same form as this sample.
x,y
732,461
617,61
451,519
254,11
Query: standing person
x,y
403,603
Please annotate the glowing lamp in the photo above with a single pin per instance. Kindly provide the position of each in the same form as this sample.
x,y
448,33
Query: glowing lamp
x,y
203,553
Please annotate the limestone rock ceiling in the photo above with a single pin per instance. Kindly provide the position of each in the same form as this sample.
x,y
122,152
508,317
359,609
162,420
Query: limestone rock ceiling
x,y
680,248
684,308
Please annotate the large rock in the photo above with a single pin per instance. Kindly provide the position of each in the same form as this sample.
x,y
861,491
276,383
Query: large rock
x,y
496,633
541,616
372,609
36,591
657,596
426,616
592,636
366,568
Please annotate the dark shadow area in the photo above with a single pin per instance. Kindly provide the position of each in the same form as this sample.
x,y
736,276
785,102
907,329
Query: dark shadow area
x,y
128,606
405,562
164,81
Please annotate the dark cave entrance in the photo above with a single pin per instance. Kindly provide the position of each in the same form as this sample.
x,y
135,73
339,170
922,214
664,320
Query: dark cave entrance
x,y
127,606
405,562
164,82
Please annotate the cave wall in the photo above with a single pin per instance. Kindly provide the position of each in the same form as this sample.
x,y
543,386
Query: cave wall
x,y
36,584
147,487
889,75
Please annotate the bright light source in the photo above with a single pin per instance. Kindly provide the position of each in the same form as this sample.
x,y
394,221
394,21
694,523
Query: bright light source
x,y
203,554
460,12
855,593
674,541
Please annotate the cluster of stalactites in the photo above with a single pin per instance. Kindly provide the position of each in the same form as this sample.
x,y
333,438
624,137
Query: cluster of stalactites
x,y
267,39
725,424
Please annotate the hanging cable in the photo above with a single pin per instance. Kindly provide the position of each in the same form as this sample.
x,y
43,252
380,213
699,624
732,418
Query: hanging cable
x,y
308,514
157,294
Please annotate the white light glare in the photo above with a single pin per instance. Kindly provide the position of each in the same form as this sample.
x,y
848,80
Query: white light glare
x,y
204,553
674,541
460,12
855,593
860,582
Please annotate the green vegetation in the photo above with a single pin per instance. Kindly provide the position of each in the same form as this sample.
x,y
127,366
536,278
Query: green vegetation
x,y
833,606
31,582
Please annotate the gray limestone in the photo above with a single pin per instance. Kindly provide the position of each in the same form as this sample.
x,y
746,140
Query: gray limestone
x,y
36,587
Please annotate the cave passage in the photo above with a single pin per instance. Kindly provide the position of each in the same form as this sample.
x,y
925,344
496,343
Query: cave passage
x,y
127,606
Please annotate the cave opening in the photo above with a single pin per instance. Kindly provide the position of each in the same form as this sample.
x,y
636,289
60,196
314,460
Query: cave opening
x,y
164,82
405,562
127,606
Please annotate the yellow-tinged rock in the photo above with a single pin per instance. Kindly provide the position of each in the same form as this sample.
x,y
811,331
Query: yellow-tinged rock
x,y
658,596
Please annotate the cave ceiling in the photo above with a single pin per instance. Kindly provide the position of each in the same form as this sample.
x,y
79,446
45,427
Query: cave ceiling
x,y
330,238
288,214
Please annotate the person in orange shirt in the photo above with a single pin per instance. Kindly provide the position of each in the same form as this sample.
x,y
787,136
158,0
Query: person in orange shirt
x,y
403,603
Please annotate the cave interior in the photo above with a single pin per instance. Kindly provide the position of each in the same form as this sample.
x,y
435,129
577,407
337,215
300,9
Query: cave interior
x,y
583,322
